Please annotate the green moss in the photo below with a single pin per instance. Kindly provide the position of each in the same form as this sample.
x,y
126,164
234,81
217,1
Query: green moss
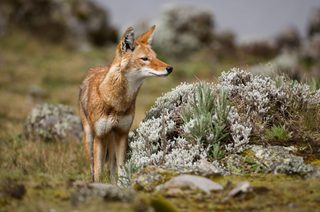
x,y
315,162
270,192
247,153
160,204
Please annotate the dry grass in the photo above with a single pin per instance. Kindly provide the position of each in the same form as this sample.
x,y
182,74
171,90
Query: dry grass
x,y
22,159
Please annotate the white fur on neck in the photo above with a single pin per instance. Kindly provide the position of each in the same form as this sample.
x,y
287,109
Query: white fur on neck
x,y
134,80
148,72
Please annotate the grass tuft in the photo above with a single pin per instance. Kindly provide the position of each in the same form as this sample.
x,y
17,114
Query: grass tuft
x,y
207,114
277,133
128,171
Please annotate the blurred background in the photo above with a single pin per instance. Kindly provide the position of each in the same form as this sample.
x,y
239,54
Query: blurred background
x,y
46,46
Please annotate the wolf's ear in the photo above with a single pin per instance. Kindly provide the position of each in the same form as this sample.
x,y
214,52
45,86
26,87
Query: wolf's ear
x,y
146,37
127,41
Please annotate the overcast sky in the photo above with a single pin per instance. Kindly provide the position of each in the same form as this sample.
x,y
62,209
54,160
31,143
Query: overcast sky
x,y
248,18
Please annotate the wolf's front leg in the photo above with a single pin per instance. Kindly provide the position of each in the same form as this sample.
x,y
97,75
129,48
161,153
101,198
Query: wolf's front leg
x,y
121,149
100,151
112,158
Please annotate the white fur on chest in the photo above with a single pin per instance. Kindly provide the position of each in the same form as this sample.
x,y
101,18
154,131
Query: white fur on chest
x,y
125,122
106,124
103,125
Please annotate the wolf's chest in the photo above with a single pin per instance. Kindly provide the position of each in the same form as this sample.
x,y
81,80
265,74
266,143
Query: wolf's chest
x,y
105,124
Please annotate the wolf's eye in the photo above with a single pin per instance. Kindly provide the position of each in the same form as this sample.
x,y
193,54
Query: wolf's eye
x,y
144,58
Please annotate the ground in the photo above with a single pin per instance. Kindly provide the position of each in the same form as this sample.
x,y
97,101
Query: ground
x,y
47,182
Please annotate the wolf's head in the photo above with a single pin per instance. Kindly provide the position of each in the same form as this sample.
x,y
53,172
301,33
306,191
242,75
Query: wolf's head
x,y
136,57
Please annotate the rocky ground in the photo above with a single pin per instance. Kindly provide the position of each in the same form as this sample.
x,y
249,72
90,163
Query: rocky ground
x,y
156,189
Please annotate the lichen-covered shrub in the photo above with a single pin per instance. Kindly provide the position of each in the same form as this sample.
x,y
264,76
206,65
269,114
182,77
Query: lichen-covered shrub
x,y
286,63
183,30
52,123
277,159
179,130
158,139
76,22
314,23
264,101
269,159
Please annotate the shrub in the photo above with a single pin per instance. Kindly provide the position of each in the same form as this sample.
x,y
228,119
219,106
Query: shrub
x,y
48,122
158,140
199,122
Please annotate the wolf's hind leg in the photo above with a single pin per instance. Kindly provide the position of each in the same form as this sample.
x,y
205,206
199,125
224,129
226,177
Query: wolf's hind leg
x,y
100,151
90,150
88,142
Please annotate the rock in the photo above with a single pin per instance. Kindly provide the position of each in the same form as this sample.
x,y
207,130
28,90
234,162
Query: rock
x,y
315,173
279,160
274,159
75,22
148,178
288,38
224,44
4,19
314,23
147,182
174,192
237,165
242,187
206,168
311,49
51,123
286,63
107,192
182,30
36,93
12,189
262,48
192,182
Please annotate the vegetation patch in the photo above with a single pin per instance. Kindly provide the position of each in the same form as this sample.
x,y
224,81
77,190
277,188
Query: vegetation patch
x,y
205,125
277,133
206,120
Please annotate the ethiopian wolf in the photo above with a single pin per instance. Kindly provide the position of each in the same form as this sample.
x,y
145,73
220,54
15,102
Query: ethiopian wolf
x,y
107,100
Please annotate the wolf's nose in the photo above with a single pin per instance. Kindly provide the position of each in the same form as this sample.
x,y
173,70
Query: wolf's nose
x,y
169,69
